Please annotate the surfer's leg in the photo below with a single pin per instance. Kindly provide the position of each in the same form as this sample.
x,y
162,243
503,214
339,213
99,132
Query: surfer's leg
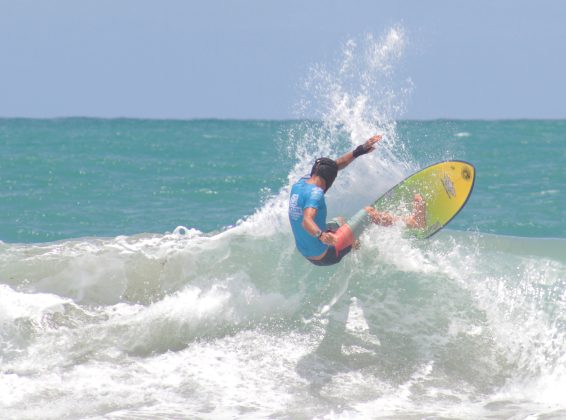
x,y
380,217
417,220
334,224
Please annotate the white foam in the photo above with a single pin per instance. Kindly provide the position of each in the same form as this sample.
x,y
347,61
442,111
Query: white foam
x,y
30,306
462,134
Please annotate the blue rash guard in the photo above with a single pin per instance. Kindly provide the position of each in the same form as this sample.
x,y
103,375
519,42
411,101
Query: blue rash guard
x,y
304,195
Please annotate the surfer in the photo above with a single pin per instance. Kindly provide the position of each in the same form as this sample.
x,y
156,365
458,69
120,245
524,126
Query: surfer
x,y
314,238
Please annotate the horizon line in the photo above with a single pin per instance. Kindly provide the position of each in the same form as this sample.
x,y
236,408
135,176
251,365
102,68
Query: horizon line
x,y
274,119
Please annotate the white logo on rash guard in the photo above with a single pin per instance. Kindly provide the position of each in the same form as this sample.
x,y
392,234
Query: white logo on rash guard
x,y
295,212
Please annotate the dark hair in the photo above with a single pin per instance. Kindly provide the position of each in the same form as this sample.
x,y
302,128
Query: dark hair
x,y
327,169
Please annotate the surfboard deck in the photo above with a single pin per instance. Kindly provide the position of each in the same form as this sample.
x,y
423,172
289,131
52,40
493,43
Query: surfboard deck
x,y
445,188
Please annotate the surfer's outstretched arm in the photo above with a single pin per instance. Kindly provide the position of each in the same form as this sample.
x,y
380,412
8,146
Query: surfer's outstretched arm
x,y
362,149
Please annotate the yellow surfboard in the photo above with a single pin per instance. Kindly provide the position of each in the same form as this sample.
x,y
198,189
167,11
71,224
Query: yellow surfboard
x,y
445,188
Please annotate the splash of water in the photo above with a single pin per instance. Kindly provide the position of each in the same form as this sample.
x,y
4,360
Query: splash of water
x,y
361,94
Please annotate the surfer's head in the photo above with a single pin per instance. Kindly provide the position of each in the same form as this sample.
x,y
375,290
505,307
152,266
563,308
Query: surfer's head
x,y
327,169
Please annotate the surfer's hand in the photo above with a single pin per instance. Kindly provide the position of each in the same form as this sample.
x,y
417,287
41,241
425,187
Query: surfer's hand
x,y
369,145
328,238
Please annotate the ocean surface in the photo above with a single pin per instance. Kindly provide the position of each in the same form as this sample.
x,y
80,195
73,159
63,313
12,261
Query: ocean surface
x,y
148,271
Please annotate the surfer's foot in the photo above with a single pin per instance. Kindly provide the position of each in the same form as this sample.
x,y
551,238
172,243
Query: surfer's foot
x,y
418,219
380,218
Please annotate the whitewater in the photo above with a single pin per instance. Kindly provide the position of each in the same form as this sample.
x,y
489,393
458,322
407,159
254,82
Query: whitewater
x,y
232,322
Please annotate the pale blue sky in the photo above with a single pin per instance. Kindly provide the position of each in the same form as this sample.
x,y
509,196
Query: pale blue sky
x,y
248,58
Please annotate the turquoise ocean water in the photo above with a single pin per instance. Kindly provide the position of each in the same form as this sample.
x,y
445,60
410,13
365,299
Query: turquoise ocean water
x,y
68,178
147,268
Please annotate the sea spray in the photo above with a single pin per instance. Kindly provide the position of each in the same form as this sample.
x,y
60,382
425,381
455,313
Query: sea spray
x,y
357,96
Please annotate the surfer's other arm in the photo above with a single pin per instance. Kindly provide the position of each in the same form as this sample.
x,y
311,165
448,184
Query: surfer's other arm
x,y
362,149
311,227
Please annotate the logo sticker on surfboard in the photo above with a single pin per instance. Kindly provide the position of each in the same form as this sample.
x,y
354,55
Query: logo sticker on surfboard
x,y
448,186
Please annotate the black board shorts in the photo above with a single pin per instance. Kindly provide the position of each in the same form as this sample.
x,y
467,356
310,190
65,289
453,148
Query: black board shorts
x,y
331,257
